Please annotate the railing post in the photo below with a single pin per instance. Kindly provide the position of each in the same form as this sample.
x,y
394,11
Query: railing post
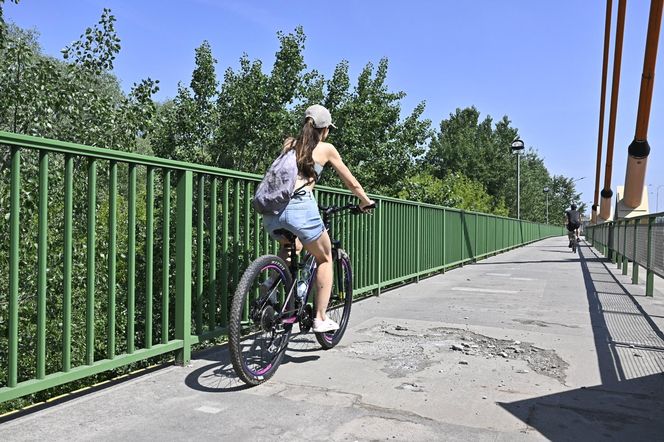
x,y
419,240
635,265
617,255
649,273
624,249
444,239
42,261
379,270
477,222
14,237
463,234
183,233
609,252
91,252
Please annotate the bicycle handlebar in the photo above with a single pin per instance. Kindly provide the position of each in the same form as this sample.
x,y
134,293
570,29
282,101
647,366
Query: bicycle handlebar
x,y
352,208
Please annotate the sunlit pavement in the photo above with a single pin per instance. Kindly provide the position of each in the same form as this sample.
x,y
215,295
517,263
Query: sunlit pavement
x,y
534,344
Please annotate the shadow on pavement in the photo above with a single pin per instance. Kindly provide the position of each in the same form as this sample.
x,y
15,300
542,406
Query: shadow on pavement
x,y
629,403
218,375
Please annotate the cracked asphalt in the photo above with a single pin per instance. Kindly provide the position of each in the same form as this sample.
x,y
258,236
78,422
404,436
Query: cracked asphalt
x,y
532,344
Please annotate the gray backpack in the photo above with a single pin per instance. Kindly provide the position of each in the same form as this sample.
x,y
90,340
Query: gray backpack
x,y
275,191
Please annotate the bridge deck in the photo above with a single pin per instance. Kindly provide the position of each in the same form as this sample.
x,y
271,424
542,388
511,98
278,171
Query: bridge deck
x,y
550,345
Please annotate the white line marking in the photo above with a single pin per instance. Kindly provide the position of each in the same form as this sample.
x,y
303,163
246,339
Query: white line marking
x,y
498,274
472,289
523,279
210,410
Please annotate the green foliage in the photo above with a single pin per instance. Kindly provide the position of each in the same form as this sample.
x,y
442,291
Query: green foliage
x,y
3,24
75,100
374,141
254,112
79,100
480,150
455,190
563,193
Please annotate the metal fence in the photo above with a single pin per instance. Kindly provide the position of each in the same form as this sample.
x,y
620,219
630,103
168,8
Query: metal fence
x,y
638,240
110,257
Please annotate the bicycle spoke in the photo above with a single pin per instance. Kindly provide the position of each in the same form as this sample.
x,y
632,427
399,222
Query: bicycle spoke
x,y
258,338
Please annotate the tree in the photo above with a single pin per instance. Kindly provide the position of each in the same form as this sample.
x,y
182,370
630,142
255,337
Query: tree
x,y
77,99
3,24
563,193
455,190
380,147
479,150
186,125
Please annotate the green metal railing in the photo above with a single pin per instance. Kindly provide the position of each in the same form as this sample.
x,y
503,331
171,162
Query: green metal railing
x,y
137,256
638,240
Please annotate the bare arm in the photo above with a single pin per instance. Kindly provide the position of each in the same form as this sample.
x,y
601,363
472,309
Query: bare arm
x,y
347,177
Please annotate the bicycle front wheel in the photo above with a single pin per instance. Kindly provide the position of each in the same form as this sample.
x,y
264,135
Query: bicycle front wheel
x,y
341,301
257,335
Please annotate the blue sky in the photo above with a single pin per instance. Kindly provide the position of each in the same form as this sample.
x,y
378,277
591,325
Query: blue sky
x,y
539,62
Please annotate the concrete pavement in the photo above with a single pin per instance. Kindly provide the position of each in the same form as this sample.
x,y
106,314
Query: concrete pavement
x,y
533,344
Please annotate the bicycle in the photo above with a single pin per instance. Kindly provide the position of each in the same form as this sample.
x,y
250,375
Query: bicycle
x,y
271,298
571,235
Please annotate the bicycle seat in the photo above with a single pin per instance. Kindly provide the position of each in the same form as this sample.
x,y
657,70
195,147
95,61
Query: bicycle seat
x,y
285,233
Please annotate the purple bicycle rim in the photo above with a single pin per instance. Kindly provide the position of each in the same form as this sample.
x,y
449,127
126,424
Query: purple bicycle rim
x,y
264,370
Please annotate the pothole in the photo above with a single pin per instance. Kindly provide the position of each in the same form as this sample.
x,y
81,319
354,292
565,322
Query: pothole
x,y
408,349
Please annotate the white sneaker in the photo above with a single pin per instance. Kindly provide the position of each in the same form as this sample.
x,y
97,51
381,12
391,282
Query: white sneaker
x,y
324,326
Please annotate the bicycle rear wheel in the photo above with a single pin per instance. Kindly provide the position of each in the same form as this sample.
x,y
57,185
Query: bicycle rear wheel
x,y
341,301
257,336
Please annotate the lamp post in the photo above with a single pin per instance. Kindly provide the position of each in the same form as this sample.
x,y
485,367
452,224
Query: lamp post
x,y
546,192
517,148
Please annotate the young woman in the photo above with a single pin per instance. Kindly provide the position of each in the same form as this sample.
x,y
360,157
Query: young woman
x,y
301,216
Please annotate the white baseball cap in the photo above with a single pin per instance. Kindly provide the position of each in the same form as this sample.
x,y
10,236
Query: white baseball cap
x,y
320,115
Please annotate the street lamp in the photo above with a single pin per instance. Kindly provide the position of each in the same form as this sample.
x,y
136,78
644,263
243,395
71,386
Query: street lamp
x,y
517,148
546,192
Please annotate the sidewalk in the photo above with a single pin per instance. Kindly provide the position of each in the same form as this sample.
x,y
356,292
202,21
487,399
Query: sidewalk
x,y
533,344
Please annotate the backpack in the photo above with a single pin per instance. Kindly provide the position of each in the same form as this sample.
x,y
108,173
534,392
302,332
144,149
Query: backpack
x,y
276,189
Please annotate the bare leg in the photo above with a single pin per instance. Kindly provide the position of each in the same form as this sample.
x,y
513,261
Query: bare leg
x,y
284,251
321,249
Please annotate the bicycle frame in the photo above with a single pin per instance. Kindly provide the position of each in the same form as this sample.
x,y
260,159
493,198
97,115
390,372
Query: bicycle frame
x,y
291,315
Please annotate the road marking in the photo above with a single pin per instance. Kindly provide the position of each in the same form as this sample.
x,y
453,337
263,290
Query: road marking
x,y
472,289
210,410
498,274
523,279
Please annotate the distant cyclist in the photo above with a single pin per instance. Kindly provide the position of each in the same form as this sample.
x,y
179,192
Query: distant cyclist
x,y
573,218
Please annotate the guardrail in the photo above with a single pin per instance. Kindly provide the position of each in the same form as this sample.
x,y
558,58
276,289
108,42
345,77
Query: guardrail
x,y
638,240
116,257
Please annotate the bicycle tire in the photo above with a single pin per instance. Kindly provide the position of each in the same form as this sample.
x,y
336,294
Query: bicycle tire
x,y
340,303
256,316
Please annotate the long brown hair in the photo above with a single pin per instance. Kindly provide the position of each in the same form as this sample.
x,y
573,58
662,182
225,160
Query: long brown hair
x,y
304,145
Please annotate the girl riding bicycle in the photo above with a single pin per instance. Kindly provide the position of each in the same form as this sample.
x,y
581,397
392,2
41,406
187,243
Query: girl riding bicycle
x,y
301,216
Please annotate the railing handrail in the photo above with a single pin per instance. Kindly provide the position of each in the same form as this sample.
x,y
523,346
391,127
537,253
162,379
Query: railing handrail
x,y
647,215
66,147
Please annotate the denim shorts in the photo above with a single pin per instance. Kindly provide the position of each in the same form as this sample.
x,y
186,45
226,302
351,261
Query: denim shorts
x,y
301,217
